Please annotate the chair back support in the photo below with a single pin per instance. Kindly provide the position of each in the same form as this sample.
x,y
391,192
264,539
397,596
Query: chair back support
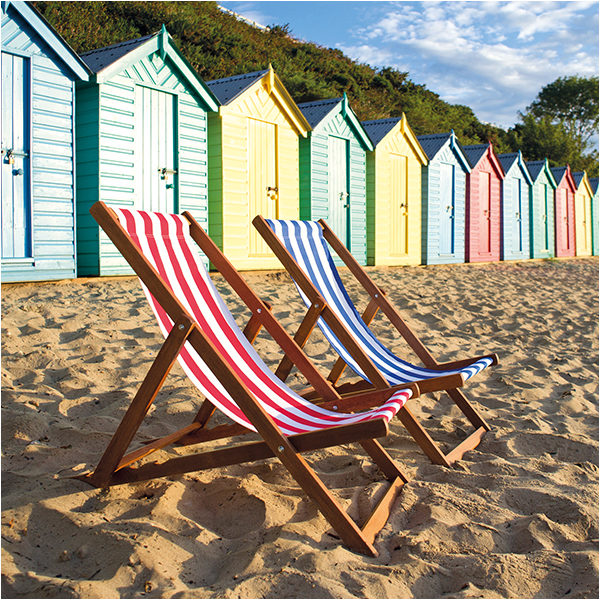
x,y
166,243
305,242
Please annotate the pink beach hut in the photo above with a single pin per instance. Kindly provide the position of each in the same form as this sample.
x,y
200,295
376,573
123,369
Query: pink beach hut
x,y
484,204
564,211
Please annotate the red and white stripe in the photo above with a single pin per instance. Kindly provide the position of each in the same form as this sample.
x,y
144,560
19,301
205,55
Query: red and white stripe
x,y
165,241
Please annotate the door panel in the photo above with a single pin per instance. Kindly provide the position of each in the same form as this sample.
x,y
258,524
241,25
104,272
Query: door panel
x,y
16,202
564,217
156,156
517,206
339,201
398,205
263,193
447,208
484,213
544,217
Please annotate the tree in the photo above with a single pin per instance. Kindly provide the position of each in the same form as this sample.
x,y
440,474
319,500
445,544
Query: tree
x,y
573,101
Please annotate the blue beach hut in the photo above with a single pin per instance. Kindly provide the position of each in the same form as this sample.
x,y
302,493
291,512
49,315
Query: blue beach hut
x,y
39,71
516,199
443,199
333,171
541,226
141,140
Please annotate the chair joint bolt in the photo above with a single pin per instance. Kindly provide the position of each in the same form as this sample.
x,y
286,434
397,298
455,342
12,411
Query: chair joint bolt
x,y
280,449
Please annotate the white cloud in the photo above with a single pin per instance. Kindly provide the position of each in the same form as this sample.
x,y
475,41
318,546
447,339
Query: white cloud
x,y
498,54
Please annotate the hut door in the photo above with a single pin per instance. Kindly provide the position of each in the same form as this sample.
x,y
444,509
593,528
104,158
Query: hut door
x,y
447,200
544,218
398,217
339,201
16,203
262,180
484,213
517,192
157,171
564,217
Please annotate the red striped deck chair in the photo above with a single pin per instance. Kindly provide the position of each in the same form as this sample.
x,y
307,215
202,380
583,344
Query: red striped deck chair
x,y
219,359
303,249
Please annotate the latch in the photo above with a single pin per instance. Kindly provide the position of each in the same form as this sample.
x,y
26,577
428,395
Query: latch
x,y
272,192
11,155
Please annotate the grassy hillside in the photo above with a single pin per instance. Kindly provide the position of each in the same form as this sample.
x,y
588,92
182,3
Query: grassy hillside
x,y
218,45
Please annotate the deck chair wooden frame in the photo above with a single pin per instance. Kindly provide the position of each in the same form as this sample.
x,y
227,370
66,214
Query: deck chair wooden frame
x,y
116,467
378,302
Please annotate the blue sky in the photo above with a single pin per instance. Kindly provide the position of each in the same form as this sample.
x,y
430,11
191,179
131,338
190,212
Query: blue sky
x,y
491,56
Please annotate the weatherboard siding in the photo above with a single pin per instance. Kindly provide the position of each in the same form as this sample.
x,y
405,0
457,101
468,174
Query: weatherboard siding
x,y
49,193
314,176
432,209
109,153
230,179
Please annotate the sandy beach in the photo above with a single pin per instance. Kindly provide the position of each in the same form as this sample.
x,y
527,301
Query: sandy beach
x,y
516,518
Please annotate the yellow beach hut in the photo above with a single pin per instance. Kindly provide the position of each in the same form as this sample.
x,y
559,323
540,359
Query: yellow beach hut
x,y
252,163
583,214
394,193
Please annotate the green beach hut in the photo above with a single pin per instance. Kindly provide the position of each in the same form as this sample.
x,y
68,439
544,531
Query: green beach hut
x,y
333,171
541,225
141,134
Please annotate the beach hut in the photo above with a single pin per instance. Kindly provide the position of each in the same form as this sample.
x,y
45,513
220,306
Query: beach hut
x,y
484,201
253,163
333,171
583,214
541,228
595,220
141,140
394,193
443,199
39,71
516,200
564,211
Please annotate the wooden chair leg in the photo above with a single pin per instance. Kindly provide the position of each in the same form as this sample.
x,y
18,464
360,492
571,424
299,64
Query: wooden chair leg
x,y
142,401
468,409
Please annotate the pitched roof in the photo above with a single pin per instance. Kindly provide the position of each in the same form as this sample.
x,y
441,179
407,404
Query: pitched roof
x,y
99,59
577,177
433,143
53,39
378,129
558,173
507,160
594,184
316,111
229,88
474,152
535,168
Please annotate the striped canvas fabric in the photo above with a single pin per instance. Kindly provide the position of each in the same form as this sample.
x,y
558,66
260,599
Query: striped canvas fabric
x,y
165,242
305,242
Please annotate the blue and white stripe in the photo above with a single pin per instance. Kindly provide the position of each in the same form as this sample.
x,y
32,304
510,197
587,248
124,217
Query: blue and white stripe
x,y
305,242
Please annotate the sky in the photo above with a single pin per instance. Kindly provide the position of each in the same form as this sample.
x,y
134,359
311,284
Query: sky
x,y
489,55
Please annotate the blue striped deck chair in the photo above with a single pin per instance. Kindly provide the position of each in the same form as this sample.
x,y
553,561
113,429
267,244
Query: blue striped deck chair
x,y
303,249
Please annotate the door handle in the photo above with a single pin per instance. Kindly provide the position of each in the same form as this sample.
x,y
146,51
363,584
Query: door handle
x,y
17,171
164,173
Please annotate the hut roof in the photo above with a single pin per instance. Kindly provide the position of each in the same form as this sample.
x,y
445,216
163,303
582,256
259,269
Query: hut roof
x,y
229,88
475,152
378,129
433,143
99,59
594,184
559,173
316,111
577,177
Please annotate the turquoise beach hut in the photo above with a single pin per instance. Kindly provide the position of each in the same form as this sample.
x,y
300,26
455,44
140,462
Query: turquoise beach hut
x,y
541,227
516,199
443,199
39,71
141,140
595,220
333,171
